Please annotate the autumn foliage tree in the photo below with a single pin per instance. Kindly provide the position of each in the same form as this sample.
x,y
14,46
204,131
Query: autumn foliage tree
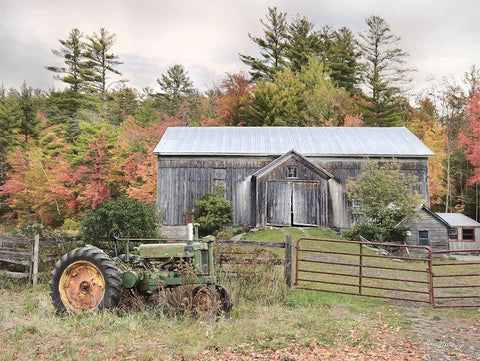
x,y
233,105
471,139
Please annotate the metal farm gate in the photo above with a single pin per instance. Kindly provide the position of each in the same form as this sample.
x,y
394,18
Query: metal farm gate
x,y
394,271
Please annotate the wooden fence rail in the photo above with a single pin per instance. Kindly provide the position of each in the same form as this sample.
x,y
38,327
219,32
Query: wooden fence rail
x,y
287,260
26,252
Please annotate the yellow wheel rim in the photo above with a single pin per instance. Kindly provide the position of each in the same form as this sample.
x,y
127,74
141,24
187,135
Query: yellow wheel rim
x,y
81,287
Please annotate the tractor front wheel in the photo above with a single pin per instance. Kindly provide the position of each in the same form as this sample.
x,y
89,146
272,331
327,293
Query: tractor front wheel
x,y
85,280
225,299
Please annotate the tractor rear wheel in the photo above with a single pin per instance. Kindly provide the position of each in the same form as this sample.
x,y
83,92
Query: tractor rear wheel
x,y
85,280
205,302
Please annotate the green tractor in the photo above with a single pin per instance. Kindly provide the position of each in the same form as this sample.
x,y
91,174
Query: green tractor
x,y
86,279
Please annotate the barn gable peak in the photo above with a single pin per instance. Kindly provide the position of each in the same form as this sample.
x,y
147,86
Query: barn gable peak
x,y
300,158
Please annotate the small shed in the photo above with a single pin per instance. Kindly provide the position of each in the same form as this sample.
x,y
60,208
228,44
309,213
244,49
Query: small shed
x,y
464,232
428,229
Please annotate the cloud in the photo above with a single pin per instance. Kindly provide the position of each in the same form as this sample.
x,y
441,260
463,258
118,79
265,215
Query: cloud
x,y
206,36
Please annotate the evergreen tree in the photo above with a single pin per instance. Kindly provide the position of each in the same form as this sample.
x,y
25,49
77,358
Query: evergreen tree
x,y
326,46
303,43
343,64
28,125
178,98
72,53
100,63
273,47
122,103
10,115
383,73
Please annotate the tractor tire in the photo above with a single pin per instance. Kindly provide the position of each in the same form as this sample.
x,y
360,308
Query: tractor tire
x,y
85,280
225,299
206,303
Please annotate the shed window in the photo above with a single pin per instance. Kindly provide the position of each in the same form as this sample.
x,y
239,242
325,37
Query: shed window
x,y
468,234
452,234
292,172
423,238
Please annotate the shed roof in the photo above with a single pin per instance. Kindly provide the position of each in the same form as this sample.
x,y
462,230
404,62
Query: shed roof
x,y
458,220
309,141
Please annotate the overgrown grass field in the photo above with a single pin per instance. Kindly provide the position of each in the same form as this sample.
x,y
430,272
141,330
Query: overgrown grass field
x,y
268,321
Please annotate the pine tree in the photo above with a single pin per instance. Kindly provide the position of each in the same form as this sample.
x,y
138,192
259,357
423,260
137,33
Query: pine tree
x,y
273,47
179,98
28,125
100,63
343,64
383,73
303,43
72,53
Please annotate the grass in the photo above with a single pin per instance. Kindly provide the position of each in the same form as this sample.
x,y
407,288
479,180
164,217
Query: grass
x,y
31,330
266,316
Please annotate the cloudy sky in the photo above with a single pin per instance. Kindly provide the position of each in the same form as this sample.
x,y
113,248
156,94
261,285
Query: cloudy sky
x,y
441,36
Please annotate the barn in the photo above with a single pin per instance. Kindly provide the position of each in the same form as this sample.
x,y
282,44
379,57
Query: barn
x,y
278,176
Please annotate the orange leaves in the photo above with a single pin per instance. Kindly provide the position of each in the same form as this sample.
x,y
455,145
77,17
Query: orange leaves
x,y
471,140
133,155
232,106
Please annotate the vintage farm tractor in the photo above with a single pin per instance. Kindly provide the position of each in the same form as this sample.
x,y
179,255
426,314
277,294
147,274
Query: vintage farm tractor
x,y
86,279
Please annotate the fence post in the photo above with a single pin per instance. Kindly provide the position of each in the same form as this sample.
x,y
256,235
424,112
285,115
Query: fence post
x,y
36,246
288,262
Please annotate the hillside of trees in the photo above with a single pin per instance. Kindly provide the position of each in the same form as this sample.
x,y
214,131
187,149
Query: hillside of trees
x,y
65,151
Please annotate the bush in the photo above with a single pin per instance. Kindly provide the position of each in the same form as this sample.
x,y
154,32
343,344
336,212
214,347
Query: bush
x,y
213,211
375,233
129,216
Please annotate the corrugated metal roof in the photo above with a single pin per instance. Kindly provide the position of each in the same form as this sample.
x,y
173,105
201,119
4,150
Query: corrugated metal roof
x,y
309,141
458,220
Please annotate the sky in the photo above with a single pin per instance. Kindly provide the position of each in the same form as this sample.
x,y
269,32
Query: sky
x,y
441,36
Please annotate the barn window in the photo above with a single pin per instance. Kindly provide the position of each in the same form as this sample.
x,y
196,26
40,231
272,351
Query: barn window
x,y
423,238
452,234
292,172
468,234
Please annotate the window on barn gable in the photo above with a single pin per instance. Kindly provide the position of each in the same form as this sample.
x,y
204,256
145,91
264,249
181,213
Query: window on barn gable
x,y
452,234
292,172
468,234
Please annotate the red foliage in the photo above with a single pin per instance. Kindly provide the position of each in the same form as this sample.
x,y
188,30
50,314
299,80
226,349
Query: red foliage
x,y
138,163
471,141
232,107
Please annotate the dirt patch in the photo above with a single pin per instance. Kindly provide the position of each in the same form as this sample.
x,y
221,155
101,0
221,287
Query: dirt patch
x,y
443,336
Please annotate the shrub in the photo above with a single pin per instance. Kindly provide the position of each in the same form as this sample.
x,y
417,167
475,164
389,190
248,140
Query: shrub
x,y
213,211
375,233
129,216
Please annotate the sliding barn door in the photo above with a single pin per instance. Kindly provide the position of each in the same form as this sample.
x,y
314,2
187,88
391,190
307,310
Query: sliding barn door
x,y
279,203
305,204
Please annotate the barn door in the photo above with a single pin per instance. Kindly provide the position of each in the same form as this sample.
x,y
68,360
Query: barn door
x,y
279,203
305,204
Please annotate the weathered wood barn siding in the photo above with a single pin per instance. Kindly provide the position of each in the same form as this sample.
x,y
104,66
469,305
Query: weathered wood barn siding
x,y
253,164
187,178
345,169
182,180
285,201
